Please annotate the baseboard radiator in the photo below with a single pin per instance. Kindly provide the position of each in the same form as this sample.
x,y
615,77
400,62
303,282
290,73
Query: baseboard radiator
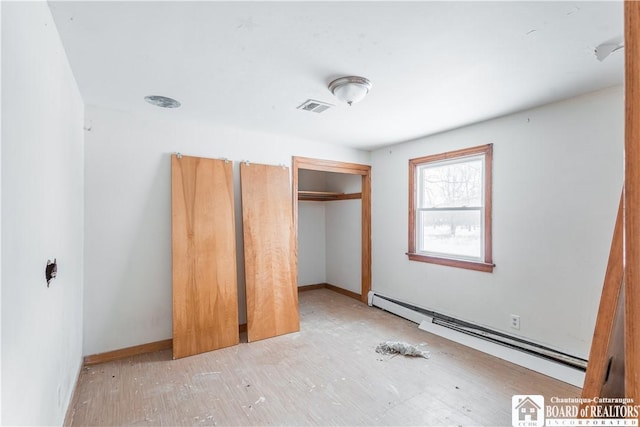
x,y
536,357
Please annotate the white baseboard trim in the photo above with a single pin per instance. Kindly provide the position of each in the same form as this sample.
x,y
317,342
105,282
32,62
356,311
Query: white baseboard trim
x,y
544,366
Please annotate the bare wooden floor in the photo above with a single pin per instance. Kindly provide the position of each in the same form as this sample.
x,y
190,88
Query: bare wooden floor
x,y
327,374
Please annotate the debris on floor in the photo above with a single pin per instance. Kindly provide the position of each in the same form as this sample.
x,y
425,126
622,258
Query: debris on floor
x,y
396,347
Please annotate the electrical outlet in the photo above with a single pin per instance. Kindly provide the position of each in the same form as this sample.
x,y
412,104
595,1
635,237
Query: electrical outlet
x,y
515,321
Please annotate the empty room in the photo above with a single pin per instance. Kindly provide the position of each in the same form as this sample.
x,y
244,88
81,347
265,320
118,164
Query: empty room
x,y
320,213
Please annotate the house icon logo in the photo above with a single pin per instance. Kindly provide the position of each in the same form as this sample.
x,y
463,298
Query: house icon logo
x,y
527,411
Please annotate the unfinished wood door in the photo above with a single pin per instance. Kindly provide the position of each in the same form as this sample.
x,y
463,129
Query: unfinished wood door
x,y
632,200
269,251
205,291
605,370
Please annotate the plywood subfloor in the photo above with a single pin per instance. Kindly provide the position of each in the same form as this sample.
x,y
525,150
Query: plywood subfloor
x,y
326,374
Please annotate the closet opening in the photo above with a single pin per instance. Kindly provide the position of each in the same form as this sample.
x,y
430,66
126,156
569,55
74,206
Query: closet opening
x,y
332,222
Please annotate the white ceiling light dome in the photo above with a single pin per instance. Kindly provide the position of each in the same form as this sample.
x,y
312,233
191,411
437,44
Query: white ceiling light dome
x,y
350,89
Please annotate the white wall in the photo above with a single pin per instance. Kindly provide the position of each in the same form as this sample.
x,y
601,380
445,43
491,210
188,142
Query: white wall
x,y
557,179
311,230
344,233
42,218
344,244
0,220
311,243
128,222
343,182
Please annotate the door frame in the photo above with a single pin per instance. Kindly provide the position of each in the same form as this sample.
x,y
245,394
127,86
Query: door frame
x,y
364,171
632,200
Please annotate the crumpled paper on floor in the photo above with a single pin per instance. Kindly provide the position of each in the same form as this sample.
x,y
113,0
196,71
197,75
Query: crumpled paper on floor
x,y
403,348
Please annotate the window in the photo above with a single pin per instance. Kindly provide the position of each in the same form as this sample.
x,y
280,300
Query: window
x,y
450,208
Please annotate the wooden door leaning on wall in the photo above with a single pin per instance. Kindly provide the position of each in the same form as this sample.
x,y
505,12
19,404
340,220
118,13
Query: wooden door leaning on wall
x,y
269,251
205,290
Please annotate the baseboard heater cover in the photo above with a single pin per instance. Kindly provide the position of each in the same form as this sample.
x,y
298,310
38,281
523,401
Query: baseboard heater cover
x,y
561,366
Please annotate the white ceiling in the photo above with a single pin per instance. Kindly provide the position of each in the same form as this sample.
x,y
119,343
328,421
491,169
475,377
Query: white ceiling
x,y
434,65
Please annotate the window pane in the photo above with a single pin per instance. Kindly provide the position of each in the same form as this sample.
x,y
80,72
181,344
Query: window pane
x,y
451,184
456,233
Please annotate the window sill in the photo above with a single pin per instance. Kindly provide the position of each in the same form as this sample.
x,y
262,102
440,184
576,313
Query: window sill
x,y
469,265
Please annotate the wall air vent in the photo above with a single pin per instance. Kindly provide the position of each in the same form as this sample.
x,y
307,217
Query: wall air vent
x,y
315,106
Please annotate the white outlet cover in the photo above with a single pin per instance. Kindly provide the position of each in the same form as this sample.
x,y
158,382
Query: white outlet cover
x,y
515,321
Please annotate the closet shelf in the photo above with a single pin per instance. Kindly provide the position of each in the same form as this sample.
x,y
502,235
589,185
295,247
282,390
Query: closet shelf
x,y
322,196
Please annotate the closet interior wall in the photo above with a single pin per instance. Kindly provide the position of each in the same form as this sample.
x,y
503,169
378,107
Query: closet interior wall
x,y
330,232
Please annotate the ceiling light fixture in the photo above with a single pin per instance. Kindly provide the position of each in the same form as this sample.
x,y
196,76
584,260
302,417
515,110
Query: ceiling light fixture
x,y
350,89
162,101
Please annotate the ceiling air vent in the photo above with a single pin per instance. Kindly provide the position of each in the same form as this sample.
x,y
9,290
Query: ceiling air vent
x,y
315,106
